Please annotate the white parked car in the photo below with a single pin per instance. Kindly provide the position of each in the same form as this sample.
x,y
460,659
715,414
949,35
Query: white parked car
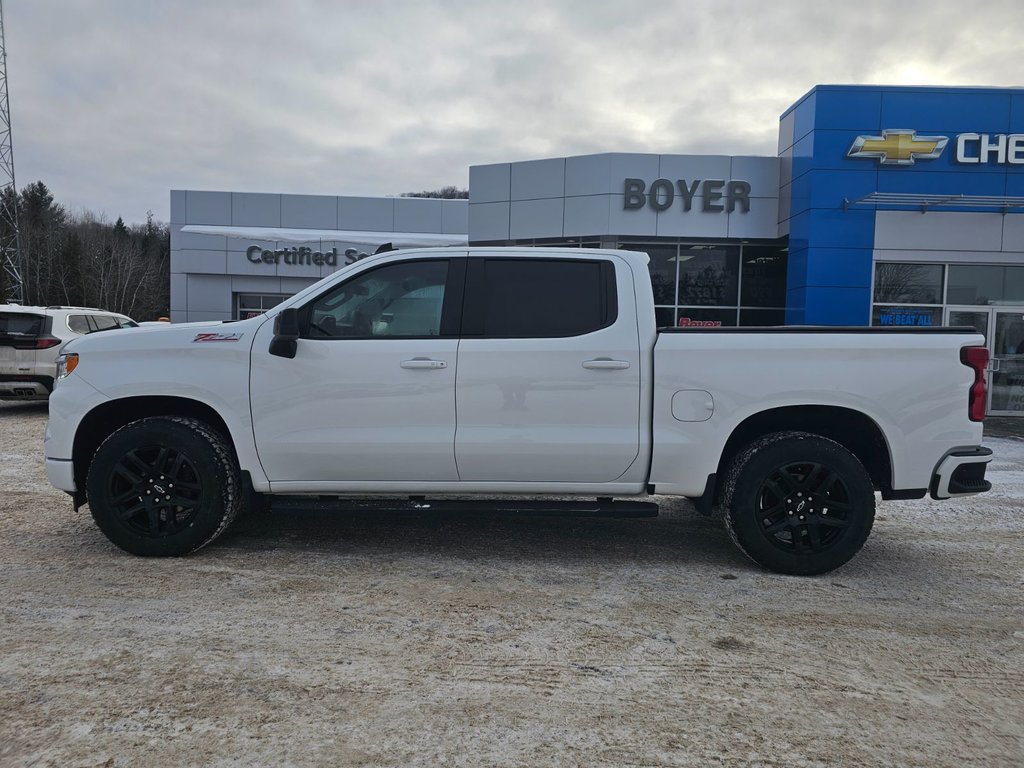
x,y
540,372
31,338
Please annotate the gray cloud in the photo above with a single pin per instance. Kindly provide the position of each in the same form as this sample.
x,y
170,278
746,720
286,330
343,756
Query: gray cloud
x,y
114,103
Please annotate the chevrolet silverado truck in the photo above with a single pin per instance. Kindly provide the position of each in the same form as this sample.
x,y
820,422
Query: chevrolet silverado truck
x,y
423,375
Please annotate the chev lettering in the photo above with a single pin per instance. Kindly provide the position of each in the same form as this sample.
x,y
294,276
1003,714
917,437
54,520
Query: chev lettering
x,y
712,191
1003,148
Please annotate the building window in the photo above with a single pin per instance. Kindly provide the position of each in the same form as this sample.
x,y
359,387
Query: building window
x,y
708,275
978,284
903,293
898,283
253,304
763,278
724,284
664,274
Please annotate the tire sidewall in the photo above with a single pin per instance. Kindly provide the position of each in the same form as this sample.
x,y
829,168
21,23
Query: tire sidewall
x,y
196,445
760,463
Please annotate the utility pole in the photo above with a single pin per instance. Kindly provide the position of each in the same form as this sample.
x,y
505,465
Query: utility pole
x,y
10,244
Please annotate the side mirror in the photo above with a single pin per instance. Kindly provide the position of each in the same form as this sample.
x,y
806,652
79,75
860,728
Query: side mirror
x,y
286,333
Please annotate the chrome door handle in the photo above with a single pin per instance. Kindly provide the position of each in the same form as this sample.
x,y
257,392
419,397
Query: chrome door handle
x,y
606,363
424,362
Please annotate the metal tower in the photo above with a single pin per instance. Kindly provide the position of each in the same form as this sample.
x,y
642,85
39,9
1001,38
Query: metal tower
x,y
9,240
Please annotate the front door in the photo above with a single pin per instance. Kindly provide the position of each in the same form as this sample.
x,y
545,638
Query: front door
x,y
370,394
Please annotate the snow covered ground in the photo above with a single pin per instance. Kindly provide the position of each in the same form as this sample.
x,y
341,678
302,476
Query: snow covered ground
x,y
313,639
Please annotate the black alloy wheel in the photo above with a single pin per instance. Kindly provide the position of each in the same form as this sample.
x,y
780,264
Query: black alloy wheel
x,y
804,507
164,486
155,490
798,503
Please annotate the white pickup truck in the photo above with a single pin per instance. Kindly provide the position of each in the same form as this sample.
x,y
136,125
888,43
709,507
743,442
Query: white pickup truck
x,y
515,372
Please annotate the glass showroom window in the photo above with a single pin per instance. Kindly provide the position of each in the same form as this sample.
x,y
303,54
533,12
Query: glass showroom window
x,y
907,294
716,283
981,284
763,285
252,304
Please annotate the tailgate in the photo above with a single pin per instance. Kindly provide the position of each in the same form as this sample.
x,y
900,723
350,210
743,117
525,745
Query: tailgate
x,y
18,334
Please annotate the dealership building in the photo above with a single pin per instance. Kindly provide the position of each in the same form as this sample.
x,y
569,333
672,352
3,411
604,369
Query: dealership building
x,y
884,205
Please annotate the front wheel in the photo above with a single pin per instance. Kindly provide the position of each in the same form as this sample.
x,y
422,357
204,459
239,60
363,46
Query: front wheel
x,y
164,486
798,503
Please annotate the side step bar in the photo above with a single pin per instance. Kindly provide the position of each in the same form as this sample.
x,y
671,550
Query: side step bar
x,y
420,505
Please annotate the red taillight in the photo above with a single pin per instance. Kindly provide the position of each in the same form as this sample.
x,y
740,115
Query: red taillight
x,y
41,342
976,358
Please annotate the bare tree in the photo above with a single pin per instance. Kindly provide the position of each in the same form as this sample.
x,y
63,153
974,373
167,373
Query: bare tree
x,y
450,192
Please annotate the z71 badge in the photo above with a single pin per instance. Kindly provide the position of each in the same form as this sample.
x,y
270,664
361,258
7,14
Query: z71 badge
x,y
217,337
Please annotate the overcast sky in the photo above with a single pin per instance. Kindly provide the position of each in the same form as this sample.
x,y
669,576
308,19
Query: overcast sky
x,y
115,103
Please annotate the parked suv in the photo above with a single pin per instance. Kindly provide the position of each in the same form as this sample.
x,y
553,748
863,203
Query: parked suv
x,y
32,337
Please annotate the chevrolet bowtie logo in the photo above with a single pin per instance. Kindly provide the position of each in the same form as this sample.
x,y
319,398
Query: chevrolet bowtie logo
x,y
898,146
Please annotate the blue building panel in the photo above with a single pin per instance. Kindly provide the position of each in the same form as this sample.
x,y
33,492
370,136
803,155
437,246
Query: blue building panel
x,y
836,228
942,183
1015,185
796,269
828,305
838,267
831,248
946,110
802,156
1017,112
828,189
848,109
804,116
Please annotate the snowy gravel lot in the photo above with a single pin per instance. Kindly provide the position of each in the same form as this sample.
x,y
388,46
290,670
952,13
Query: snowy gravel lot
x,y
313,639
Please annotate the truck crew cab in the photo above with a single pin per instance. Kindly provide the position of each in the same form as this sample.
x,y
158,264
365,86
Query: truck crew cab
x,y
520,371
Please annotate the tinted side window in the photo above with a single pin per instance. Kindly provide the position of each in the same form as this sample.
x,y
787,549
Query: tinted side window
x,y
397,300
79,324
102,322
545,297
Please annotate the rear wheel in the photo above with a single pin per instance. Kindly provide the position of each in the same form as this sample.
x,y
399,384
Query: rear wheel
x,y
798,503
164,486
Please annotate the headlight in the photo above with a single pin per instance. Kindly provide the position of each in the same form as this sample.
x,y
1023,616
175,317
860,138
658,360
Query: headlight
x,y
66,364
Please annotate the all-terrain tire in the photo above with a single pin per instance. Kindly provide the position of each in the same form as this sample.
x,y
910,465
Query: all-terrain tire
x,y
164,486
798,503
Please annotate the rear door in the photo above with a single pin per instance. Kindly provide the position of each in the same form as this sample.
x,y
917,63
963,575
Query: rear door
x,y
548,384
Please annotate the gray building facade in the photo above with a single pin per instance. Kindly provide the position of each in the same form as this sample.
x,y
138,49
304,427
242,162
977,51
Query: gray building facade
x,y
234,254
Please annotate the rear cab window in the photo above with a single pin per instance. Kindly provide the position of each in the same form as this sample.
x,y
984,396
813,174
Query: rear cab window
x,y
539,298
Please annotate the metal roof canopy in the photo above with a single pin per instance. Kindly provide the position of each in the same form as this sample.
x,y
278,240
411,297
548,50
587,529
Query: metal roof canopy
x,y
928,202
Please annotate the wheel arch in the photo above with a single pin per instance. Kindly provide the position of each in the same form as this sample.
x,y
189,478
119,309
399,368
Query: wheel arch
x,y
854,430
105,419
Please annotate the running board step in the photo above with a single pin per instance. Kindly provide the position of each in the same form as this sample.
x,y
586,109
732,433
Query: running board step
x,y
419,505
